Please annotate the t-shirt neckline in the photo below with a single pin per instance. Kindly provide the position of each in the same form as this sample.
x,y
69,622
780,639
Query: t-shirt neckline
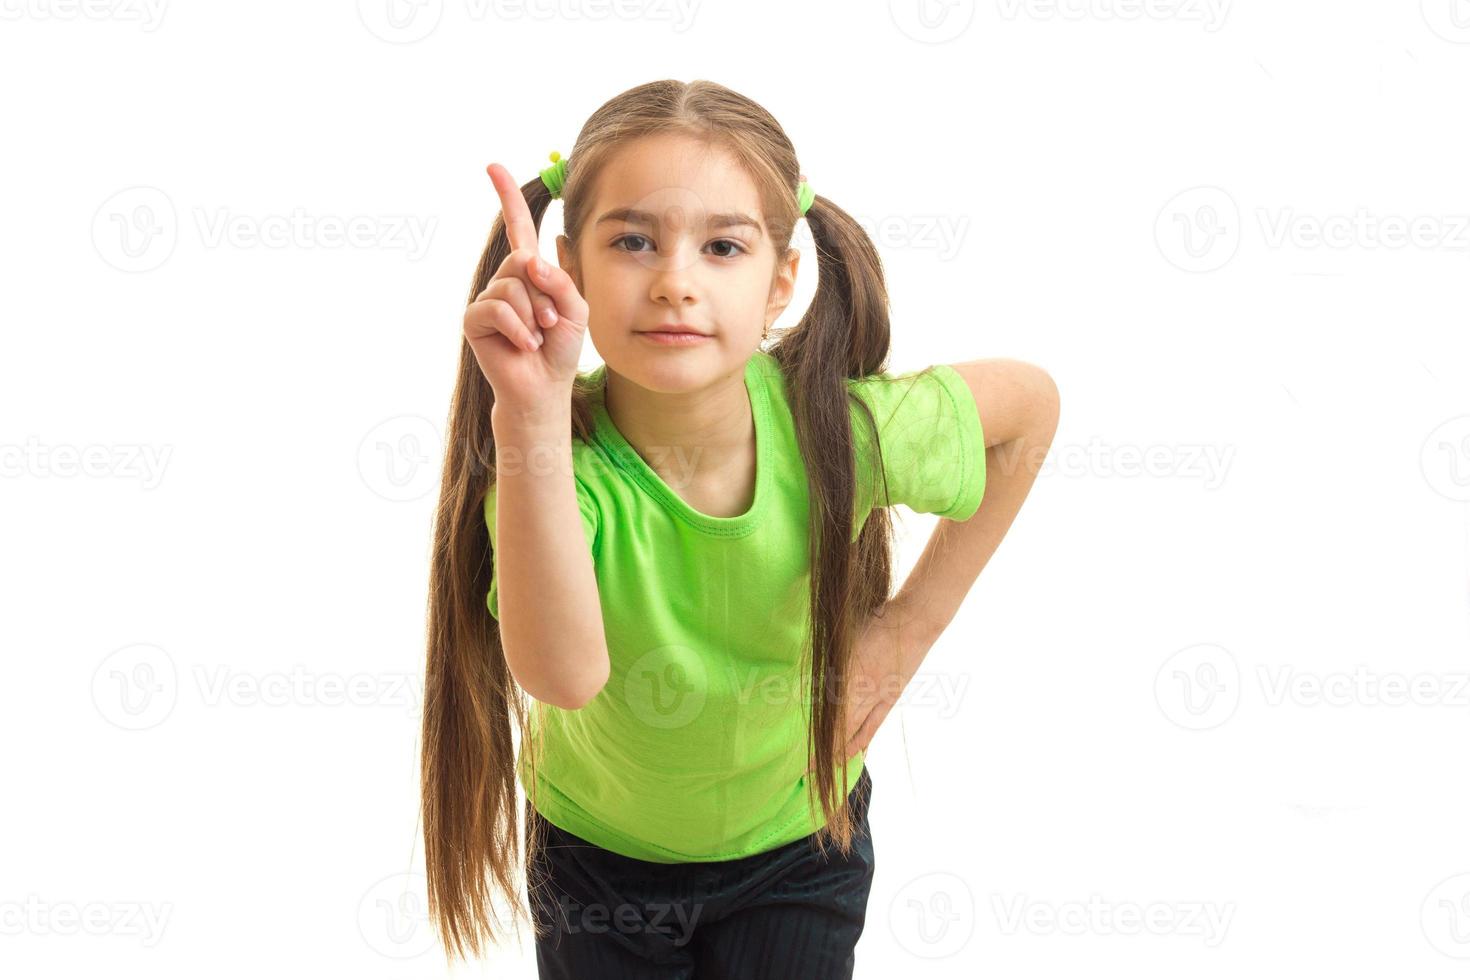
x,y
627,458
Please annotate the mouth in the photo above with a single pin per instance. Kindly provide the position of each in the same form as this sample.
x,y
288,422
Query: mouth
x,y
675,334
677,328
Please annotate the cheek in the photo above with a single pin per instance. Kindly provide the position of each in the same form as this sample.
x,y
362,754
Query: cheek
x,y
599,288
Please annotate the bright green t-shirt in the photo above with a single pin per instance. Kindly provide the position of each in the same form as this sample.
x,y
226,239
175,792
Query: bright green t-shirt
x,y
696,748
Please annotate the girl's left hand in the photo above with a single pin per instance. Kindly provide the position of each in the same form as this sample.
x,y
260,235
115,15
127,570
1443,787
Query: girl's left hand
x,y
881,668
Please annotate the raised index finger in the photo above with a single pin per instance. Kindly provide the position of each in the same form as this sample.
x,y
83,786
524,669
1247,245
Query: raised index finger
x,y
517,216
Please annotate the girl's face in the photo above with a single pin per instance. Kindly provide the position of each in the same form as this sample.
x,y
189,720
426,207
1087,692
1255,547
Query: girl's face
x,y
675,238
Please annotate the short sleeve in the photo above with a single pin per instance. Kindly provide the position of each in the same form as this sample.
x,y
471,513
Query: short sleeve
x,y
933,446
585,504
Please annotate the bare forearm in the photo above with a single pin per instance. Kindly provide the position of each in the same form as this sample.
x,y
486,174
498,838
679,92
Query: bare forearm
x,y
959,550
550,615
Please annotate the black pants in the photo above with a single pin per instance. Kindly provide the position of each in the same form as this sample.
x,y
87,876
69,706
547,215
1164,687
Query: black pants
x,y
783,913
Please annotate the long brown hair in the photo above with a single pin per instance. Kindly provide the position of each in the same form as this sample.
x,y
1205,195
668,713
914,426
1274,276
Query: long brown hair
x,y
472,842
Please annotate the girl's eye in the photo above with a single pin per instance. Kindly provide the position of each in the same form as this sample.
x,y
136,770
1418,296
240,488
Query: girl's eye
x,y
732,243
738,248
627,238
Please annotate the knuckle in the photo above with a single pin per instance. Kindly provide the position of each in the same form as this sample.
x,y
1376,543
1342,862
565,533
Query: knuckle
x,y
495,312
510,315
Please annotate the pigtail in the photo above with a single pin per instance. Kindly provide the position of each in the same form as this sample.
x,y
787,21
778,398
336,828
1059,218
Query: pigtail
x,y
843,335
472,846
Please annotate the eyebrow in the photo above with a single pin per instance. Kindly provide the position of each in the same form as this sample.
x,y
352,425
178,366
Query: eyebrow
x,y
727,219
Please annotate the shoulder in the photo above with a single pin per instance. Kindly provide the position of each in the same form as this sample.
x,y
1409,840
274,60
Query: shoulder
x,y
1013,397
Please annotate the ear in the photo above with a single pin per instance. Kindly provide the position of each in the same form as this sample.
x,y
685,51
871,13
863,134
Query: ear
x,y
783,286
566,257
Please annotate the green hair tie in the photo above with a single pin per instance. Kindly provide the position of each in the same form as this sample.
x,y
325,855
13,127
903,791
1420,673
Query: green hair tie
x,y
804,196
555,176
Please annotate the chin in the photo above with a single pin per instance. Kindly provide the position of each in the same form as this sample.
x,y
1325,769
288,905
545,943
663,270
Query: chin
x,y
672,370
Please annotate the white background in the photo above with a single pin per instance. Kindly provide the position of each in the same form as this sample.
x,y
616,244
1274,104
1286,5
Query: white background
x,y
1235,234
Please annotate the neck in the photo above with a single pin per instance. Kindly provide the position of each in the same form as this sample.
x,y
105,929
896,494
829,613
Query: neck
x,y
686,437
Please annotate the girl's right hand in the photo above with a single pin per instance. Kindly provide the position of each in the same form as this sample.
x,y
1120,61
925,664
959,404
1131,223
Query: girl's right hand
x,y
527,360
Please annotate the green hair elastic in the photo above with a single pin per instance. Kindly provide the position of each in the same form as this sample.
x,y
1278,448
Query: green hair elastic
x,y
555,178
804,196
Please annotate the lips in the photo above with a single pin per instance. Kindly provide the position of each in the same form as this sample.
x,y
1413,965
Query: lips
x,y
668,337
677,328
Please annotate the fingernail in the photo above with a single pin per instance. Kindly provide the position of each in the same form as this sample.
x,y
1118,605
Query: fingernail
x,y
548,317
540,338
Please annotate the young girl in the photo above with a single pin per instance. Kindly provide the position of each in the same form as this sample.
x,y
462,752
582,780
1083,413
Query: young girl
x,y
671,553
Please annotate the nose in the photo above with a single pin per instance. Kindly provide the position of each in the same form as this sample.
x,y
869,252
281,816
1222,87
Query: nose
x,y
675,274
